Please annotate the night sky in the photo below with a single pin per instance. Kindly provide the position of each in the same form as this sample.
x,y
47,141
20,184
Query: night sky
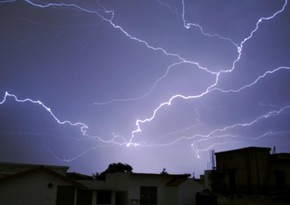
x,y
152,83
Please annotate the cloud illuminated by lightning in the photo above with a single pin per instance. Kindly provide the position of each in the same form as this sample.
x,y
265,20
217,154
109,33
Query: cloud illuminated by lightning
x,y
108,17
212,86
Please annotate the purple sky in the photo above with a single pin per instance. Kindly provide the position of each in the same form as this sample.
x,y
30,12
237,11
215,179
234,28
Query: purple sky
x,y
155,84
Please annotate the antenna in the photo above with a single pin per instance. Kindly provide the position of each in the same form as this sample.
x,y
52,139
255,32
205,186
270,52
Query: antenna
x,y
274,150
212,159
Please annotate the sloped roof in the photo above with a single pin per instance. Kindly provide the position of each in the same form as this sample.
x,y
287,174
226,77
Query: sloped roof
x,y
43,169
8,168
31,165
78,176
177,180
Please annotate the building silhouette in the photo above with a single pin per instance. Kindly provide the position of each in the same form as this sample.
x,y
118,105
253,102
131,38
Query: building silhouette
x,y
53,185
251,170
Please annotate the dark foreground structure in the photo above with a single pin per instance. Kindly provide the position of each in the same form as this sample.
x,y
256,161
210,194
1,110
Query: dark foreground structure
x,y
251,175
53,185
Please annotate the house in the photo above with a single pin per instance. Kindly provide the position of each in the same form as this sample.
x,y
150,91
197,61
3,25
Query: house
x,y
143,189
250,170
34,184
52,185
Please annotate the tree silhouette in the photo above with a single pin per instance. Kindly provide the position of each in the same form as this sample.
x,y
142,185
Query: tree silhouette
x,y
115,167
164,171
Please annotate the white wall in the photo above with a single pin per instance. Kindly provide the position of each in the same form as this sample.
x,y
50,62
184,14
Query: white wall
x,y
131,184
184,194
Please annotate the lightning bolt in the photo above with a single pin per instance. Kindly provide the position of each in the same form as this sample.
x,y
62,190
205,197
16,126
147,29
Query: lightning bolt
x,y
221,132
108,17
83,127
217,74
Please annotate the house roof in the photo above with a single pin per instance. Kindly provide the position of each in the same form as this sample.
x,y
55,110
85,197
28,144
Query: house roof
x,y
177,180
38,169
245,149
78,176
30,165
174,179
7,168
156,174
151,174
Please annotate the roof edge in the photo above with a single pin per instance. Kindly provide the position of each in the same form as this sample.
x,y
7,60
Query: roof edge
x,y
244,149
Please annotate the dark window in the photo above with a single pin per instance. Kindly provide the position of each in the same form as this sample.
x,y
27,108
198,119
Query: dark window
x,y
65,195
148,195
84,197
122,198
104,197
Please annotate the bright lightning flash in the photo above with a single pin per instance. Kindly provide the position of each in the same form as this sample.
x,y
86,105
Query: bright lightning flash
x,y
213,87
